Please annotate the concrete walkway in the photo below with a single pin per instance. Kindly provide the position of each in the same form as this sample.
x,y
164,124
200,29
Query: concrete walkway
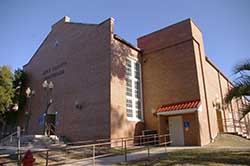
x,y
144,154
132,156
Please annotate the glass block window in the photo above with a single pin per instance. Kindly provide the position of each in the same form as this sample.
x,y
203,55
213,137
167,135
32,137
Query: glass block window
x,y
133,89
128,68
129,108
129,87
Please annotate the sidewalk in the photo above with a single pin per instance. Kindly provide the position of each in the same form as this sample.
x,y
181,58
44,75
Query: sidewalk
x,y
144,154
132,156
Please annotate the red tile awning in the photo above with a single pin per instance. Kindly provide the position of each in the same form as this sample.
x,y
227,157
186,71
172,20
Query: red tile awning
x,y
179,106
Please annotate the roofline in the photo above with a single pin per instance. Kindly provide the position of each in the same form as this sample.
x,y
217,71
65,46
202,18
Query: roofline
x,y
75,23
185,20
37,49
177,112
166,105
117,37
217,69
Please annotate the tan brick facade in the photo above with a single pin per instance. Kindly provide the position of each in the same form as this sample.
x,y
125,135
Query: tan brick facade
x,y
87,64
176,69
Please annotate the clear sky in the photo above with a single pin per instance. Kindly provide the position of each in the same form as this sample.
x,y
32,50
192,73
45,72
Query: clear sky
x,y
225,24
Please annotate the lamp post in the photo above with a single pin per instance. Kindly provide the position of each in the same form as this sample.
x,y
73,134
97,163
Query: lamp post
x,y
29,93
47,88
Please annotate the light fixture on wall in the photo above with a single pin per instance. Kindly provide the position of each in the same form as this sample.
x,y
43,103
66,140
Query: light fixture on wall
x,y
78,105
217,103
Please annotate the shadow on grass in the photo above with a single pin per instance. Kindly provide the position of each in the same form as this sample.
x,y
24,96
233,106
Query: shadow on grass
x,y
197,157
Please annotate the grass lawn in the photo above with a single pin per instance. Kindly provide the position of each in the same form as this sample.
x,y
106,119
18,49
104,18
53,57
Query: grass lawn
x,y
207,156
229,140
197,157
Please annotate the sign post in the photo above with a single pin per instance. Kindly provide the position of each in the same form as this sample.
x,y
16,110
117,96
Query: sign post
x,y
18,145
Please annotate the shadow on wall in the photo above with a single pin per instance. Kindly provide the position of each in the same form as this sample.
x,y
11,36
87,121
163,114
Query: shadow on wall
x,y
119,51
121,127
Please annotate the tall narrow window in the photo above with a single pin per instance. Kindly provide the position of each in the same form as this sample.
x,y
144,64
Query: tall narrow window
x,y
133,89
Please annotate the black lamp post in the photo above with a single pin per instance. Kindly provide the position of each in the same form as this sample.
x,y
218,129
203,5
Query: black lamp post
x,y
48,89
29,93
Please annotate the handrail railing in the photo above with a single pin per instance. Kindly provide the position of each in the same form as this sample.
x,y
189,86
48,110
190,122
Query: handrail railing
x,y
49,129
8,137
119,146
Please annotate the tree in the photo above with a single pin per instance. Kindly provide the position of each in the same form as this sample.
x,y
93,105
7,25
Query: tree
x,y
6,90
19,98
19,86
241,85
12,96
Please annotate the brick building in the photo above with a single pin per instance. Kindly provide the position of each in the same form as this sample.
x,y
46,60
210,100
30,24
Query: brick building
x,y
104,87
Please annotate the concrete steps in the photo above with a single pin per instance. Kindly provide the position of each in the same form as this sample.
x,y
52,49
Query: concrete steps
x,y
32,140
241,134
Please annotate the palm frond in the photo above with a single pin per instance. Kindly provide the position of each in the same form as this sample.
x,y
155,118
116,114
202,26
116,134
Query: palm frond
x,y
241,88
244,66
245,111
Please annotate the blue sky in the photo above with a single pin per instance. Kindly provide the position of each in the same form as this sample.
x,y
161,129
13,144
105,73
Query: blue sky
x,y
225,24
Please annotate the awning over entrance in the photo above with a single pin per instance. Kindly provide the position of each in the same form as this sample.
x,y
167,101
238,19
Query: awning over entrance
x,y
179,108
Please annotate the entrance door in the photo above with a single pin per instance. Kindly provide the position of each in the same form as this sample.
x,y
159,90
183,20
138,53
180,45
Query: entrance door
x,y
176,130
51,122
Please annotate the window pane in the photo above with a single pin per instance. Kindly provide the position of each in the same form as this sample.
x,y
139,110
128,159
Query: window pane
x,y
128,83
129,108
129,103
129,91
137,70
133,89
129,87
129,113
137,90
138,114
128,72
128,68
128,63
138,109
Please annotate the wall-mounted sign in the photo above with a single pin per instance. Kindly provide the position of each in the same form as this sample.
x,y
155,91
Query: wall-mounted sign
x,y
54,71
186,125
41,120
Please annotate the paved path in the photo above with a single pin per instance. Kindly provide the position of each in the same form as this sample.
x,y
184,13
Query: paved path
x,y
132,156
140,154
144,154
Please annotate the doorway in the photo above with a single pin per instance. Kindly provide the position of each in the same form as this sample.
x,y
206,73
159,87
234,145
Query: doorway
x,y
51,124
176,130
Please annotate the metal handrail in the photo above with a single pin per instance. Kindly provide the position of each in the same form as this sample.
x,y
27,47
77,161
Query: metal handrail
x,y
48,127
93,150
108,139
8,137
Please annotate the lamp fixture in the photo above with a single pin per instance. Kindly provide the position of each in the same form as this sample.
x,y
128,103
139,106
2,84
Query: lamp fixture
x,y
217,103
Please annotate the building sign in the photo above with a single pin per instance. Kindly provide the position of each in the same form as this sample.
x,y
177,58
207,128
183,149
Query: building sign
x,y
41,120
186,125
54,71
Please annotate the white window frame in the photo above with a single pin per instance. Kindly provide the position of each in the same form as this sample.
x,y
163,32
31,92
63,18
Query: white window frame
x,y
133,98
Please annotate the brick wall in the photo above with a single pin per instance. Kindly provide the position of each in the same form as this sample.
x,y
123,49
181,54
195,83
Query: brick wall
x,y
85,51
120,125
169,69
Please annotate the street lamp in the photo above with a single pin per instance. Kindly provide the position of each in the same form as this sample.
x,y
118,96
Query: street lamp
x,y
29,93
47,88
